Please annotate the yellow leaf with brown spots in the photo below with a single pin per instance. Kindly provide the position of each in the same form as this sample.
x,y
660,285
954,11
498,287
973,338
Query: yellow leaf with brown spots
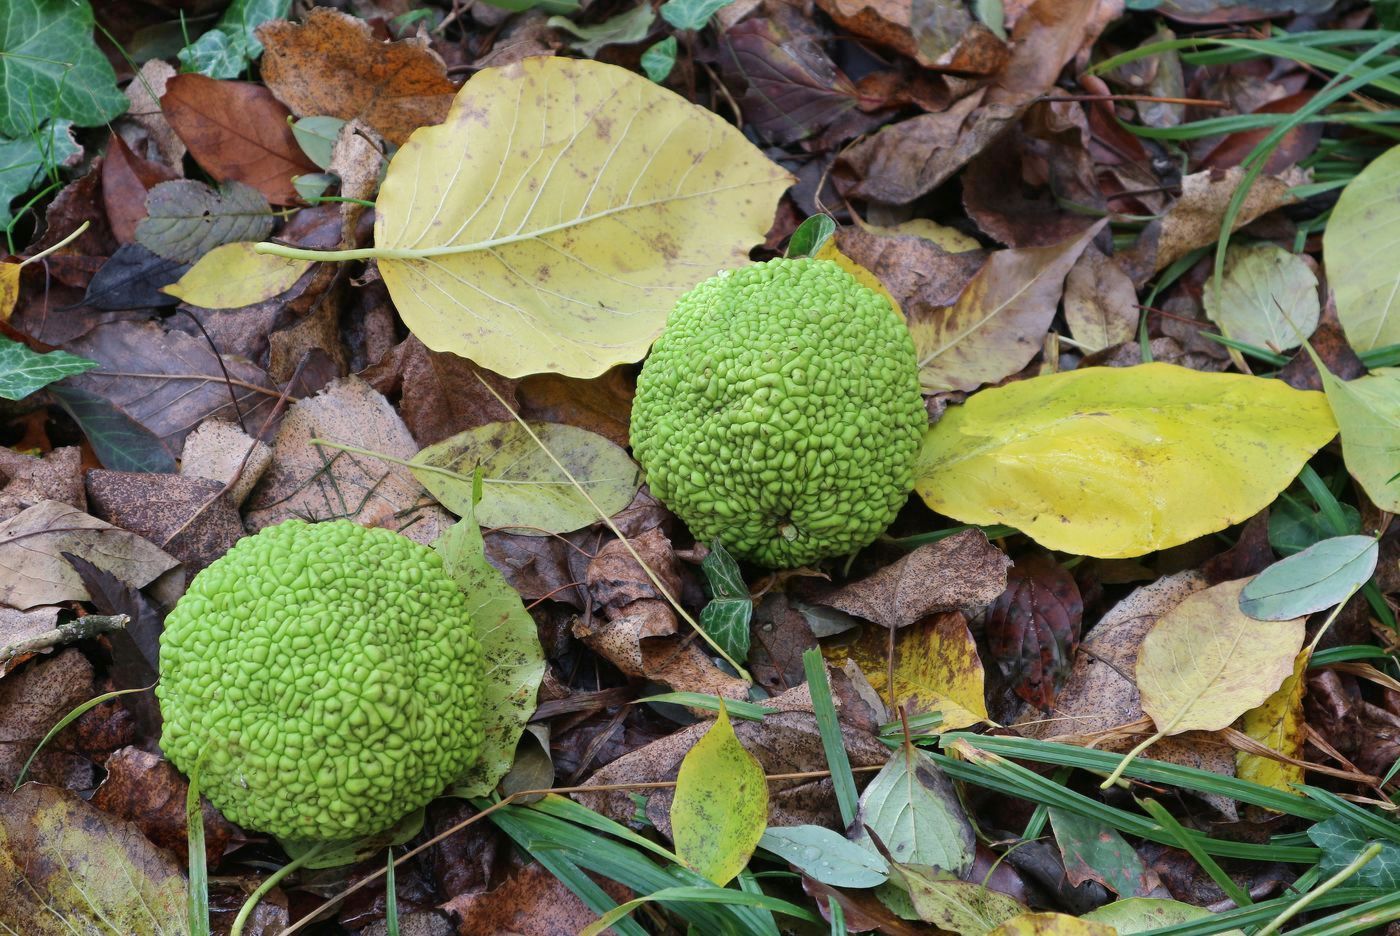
x,y
234,275
720,810
1277,724
1051,924
553,220
9,289
936,668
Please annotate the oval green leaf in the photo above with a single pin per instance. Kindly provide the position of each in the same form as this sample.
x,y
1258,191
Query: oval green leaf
x,y
1358,251
1268,297
721,805
1319,577
826,856
912,807
1118,462
523,488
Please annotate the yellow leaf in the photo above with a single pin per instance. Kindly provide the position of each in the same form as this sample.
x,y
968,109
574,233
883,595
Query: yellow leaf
x,y
1205,662
552,221
1051,924
1118,462
233,276
1358,248
721,805
9,289
936,669
950,239
1368,412
1277,724
995,326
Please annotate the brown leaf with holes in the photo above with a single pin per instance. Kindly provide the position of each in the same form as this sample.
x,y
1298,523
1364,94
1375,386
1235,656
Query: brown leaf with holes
x,y
331,64
961,572
237,131
1033,628
147,790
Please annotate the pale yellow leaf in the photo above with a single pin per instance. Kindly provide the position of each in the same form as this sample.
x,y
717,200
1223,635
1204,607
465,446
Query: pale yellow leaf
x,y
1205,662
1051,924
9,289
555,217
1268,297
1368,412
1119,462
1277,724
1359,251
949,238
233,276
721,804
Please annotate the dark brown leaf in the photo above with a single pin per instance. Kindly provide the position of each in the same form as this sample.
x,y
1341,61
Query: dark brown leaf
x,y
126,179
1033,628
439,394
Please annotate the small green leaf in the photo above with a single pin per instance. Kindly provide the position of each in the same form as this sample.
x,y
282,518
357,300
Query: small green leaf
x,y
50,68
912,807
691,14
226,50
810,236
23,371
523,488
1095,851
26,160
1319,577
1268,297
658,61
727,617
316,136
1368,415
721,805
1342,839
826,856
512,659
631,26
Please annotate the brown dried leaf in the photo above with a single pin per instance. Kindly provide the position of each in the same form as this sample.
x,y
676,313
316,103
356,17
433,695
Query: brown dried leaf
x,y
189,517
996,325
145,789
529,902
220,451
68,867
916,271
1100,302
439,394
332,65
959,573
936,33
237,130
145,92
28,480
602,404
126,179
35,572
321,483
784,742
33,700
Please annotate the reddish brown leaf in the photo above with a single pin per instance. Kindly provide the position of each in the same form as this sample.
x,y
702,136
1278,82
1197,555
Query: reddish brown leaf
x,y
331,64
148,791
1033,628
439,394
237,130
602,404
916,271
530,902
1296,144
126,178
33,700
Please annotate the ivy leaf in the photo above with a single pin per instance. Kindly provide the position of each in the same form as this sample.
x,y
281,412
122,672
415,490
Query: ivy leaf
x,y
23,371
50,67
1342,839
726,618
26,160
630,26
658,61
226,50
691,14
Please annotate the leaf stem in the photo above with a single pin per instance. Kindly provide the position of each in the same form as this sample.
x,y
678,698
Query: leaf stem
x,y
1129,758
272,881
1311,896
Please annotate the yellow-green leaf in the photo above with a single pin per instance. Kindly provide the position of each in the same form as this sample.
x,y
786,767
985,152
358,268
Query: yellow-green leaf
x,y
1277,724
233,276
1358,249
1051,924
1268,297
721,805
1205,662
552,221
522,487
1368,412
1140,914
1118,462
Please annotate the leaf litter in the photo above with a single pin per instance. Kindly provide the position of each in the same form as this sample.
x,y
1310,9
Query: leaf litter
x,y
1040,187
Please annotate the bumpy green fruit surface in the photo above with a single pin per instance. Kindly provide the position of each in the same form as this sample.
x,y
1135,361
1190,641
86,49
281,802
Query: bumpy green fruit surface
x,y
328,676
780,412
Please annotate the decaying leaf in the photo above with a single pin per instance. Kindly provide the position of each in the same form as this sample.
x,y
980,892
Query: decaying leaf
x,y
1051,924
1278,723
499,253
1093,851
1118,462
187,219
1032,628
1100,301
968,908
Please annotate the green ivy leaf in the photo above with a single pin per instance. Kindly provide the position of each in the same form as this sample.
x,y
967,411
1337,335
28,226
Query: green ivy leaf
x,y
631,26
23,371
50,67
691,14
226,50
658,61
25,161
726,618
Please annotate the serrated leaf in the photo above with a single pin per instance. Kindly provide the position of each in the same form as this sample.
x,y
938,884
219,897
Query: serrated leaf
x,y
691,14
911,806
826,856
25,159
1342,839
1319,577
23,371
629,26
658,61
512,659
51,68
187,219
524,489
1278,723
720,809
1368,412
551,223
1140,914
964,907
1268,297
234,275
1118,462
1357,248
1205,663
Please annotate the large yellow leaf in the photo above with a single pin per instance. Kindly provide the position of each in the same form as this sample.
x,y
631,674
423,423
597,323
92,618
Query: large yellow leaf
x,y
721,805
1278,724
552,221
1359,250
1118,462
